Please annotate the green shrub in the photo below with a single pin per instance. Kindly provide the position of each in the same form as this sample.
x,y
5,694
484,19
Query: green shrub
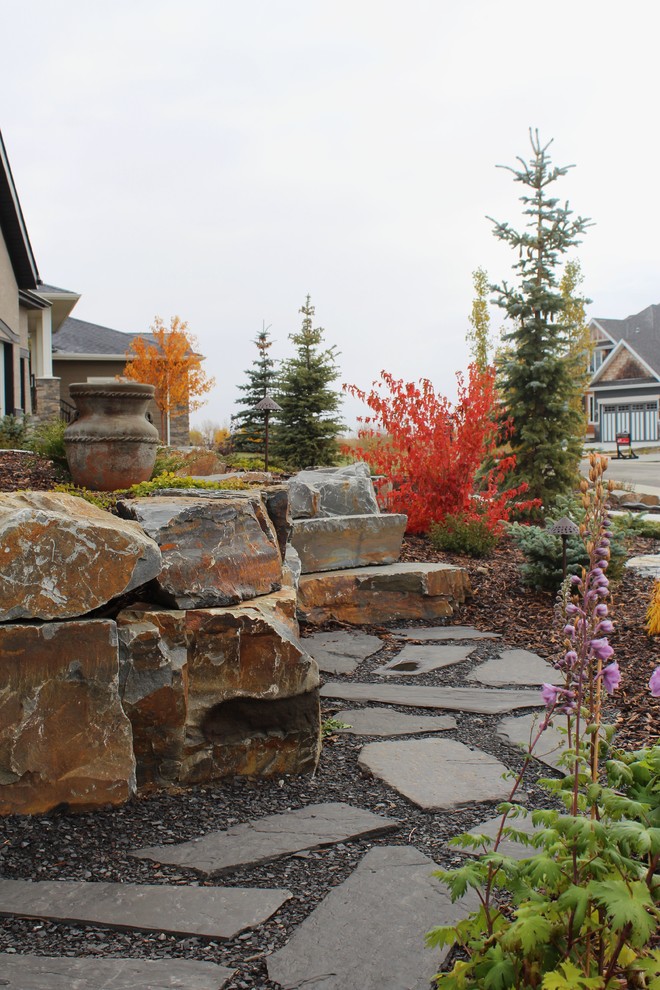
x,y
47,440
13,432
167,459
469,535
631,525
103,500
254,462
169,480
543,551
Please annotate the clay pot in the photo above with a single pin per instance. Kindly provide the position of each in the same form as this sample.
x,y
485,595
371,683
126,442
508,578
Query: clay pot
x,y
111,444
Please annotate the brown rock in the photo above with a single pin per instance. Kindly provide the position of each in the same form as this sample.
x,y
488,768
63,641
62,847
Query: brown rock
x,y
62,557
215,551
367,595
212,692
64,738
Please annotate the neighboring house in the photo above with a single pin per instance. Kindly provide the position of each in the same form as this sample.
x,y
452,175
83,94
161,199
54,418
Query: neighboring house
x,y
42,349
623,395
88,352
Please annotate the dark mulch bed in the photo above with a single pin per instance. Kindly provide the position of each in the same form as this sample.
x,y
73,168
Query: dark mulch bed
x,y
527,619
21,469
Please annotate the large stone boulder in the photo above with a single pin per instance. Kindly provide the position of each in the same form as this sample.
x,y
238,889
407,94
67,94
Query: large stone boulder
x,y
62,557
372,595
64,737
338,542
215,692
345,491
216,551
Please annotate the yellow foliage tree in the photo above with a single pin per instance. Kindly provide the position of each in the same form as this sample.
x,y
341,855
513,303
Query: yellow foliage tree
x,y
653,612
170,362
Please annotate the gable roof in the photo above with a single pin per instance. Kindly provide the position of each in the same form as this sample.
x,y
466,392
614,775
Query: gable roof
x,y
647,374
641,332
12,225
79,337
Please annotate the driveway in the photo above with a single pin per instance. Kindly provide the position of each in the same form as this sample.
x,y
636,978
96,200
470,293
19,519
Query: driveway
x,y
643,472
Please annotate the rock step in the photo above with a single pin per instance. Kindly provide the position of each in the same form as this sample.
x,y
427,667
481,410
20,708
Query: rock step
x,y
368,933
479,701
213,912
265,839
388,593
25,972
340,651
338,542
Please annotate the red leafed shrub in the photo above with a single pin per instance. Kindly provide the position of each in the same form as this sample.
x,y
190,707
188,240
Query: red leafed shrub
x,y
431,451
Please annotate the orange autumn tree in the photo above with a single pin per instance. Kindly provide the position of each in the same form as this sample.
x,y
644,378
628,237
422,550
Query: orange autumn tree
x,y
170,362
432,452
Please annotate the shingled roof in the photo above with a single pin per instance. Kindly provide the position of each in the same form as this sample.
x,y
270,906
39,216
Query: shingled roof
x,y
81,337
641,332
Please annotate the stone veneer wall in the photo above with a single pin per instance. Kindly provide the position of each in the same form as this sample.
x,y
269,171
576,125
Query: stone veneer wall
x,y
47,399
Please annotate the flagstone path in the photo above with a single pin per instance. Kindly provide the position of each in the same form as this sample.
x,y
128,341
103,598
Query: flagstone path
x,y
367,932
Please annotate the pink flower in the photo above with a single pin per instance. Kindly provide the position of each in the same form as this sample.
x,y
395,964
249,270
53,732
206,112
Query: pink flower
x,y
611,676
601,648
550,694
654,683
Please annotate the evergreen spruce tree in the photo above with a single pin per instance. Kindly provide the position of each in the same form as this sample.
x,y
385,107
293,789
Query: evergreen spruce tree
x,y
536,381
248,426
308,423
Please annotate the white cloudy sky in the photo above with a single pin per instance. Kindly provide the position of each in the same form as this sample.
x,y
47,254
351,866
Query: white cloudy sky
x,y
219,160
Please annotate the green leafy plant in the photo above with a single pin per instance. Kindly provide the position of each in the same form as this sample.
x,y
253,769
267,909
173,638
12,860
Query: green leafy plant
x,y
254,462
330,725
170,480
103,500
13,432
46,439
461,533
582,909
630,525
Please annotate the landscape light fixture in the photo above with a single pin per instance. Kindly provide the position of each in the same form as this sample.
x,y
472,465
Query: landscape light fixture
x,y
564,527
267,406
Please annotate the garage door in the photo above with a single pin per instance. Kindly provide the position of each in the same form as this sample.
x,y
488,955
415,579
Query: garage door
x,y
639,419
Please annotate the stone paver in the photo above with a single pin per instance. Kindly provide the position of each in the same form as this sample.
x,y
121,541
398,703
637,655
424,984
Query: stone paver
x,y
518,731
368,933
23,972
340,652
516,667
215,912
647,564
478,700
437,773
384,722
508,847
416,659
442,633
269,838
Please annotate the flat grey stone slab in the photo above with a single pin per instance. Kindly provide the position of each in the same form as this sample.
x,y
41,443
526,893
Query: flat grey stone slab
x,y
215,912
368,933
443,633
516,667
416,659
478,700
338,542
340,652
508,847
268,838
519,730
23,972
383,722
437,773
647,564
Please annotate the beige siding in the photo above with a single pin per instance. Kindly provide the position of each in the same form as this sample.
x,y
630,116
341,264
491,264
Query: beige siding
x,y
8,291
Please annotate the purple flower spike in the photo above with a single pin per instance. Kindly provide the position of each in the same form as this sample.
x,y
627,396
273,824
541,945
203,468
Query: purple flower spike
x,y
654,683
597,572
601,648
603,564
605,627
575,579
601,610
569,631
571,609
550,693
611,677
571,657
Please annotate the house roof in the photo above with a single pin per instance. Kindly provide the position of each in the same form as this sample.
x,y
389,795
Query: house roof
x,y
75,337
641,332
12,225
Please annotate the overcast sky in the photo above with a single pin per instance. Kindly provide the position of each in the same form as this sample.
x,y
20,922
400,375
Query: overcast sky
x,y
220,160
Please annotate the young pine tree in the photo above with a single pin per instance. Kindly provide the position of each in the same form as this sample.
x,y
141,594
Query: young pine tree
x,y
309,422
537,385
575,329
248,426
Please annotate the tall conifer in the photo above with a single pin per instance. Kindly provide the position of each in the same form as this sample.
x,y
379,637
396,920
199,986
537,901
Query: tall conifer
x,y
535,377
309,422
248,426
